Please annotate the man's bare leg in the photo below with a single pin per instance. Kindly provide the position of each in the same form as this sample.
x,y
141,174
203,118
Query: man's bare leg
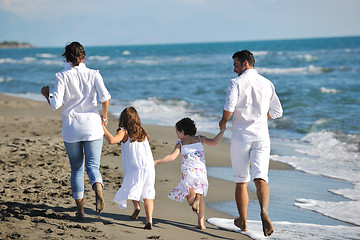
x,y
242,202
263,194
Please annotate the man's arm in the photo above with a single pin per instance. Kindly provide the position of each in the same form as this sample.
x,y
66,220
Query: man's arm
x,y
225,118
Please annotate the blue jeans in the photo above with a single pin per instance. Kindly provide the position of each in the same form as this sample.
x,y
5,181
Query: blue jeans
x,y
76,152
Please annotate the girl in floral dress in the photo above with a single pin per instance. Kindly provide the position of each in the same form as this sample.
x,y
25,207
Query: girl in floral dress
x,y
193,184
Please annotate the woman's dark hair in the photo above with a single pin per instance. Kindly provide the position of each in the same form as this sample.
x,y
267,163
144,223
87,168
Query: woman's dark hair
x,y
74,52
130,120
187,125
245,55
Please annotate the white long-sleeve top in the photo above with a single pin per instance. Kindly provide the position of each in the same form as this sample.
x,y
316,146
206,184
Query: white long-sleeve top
x,y
250,97
77,88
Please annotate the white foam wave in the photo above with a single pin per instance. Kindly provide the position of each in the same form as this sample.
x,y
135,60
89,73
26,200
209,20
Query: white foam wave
x,y
167,112
328,90
338,209
299,70
5,79
99,58
51,62
322,153
260,53
7,60
307,57
30,60
126,53
45,55
288,230
143,61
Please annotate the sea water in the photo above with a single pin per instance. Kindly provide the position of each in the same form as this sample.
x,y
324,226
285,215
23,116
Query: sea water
x,y
317,81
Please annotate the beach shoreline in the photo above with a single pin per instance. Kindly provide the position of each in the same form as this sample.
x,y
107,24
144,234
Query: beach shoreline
x,y
35,187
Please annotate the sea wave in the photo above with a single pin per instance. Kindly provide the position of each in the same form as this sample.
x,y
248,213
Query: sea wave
x,y
297,70
166,112
30,60
307,57
328,90
326,148
99,58
46,55
330,154
5,79
7,60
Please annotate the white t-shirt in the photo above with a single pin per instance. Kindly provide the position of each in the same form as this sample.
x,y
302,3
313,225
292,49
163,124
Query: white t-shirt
x,y
77,88
250,97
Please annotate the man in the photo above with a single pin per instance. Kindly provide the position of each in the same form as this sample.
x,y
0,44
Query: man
x,y
251,98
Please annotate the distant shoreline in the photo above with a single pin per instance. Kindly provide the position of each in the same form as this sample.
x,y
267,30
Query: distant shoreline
x,y
14,44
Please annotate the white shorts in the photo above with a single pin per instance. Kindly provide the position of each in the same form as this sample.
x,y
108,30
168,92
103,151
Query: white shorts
x,y
244,154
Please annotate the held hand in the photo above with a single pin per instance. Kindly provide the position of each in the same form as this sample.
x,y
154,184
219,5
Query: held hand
x,y
104,122
45,91
222,125
222,128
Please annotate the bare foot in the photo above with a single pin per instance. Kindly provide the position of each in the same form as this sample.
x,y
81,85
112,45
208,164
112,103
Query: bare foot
x,y
148,226
201,226
240,224
79,216
196,204
267,226
99,199
135,214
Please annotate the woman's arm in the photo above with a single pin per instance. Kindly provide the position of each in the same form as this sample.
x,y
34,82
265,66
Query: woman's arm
x,y
105,107
114,139
213,141
170,157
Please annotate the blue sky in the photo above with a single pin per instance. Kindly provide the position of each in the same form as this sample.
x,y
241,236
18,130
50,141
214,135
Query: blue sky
x,y
124,22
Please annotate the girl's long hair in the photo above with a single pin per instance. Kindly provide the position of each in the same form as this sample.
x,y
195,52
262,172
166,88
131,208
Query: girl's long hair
x,y
130,120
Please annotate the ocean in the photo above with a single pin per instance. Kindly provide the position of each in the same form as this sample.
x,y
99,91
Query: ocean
x,y
317,81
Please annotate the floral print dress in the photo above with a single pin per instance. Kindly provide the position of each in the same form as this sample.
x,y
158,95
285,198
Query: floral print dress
x,y
193,172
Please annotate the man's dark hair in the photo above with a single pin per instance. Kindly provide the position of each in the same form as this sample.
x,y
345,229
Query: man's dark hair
x,y
245,55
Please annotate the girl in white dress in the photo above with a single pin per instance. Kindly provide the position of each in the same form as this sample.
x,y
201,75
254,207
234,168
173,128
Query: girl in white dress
x,y
138,165
193,184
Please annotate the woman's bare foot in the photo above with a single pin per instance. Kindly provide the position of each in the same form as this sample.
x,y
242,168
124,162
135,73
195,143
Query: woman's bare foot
x,y
99,199
267,226
240,224
148,226
135,214
79,216
196,204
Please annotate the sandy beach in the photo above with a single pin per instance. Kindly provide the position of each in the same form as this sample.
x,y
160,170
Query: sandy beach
x,y
35,192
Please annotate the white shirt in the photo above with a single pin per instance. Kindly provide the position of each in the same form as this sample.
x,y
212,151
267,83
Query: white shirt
x,y
76,88
250,97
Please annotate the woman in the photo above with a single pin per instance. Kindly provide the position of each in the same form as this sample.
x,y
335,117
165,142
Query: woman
x,y
76,88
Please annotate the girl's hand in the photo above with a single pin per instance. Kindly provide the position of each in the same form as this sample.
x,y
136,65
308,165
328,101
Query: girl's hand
x,y
104,122
156,162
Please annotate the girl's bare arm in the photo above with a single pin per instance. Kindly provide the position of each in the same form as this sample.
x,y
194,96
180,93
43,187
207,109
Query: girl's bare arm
x,y
170,157
213,141
114,139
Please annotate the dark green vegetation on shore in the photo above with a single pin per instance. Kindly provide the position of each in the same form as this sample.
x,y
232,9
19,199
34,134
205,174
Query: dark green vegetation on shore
x,y
14,44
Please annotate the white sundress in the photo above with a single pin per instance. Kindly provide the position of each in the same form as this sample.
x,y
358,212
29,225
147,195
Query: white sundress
x,y
138,172
193,172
